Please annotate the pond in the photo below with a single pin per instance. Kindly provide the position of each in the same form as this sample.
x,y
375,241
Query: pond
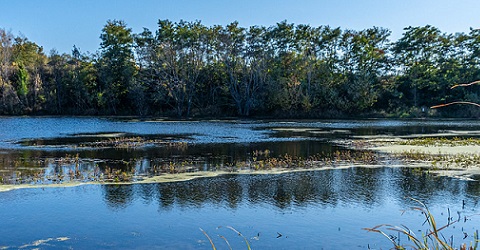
x,y
310,209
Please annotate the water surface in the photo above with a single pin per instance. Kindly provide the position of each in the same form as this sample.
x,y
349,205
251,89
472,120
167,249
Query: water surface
x,y
324,209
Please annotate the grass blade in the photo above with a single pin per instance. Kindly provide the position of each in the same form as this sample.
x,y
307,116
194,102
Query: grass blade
x,y
210,239
240,234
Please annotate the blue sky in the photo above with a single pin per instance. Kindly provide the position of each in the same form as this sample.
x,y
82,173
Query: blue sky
x,y
60,24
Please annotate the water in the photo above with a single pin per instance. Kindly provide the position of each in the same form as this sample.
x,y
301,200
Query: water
x,y
310,210
324,209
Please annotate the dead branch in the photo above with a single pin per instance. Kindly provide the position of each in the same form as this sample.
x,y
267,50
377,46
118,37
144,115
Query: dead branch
x,y
453,103
465,84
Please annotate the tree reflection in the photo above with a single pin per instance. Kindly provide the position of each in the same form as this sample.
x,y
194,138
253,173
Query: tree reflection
x,y
118,196
283,194
147,192
365,186
234,195
362,185
166,194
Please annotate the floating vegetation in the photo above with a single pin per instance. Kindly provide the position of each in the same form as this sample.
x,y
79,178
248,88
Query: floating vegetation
x,y
73,168
111,140
441,141
440,161
33,170
133,142
336,158
436,153
117,175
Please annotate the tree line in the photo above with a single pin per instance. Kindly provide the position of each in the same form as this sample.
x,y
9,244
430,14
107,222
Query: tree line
x,y
186,69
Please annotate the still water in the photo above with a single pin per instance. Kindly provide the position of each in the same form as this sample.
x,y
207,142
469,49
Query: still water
x,y
324,209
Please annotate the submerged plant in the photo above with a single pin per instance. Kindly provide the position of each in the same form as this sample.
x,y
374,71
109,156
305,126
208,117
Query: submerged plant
x,y
431,239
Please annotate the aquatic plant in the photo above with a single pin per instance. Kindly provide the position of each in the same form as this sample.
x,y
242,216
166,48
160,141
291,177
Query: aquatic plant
x,y
225,239
209,239
335,158
133,142
443,161
117,175
432,238
73,168
441,141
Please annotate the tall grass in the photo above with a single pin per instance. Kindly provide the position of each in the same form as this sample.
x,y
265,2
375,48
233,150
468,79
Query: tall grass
x,y
431,239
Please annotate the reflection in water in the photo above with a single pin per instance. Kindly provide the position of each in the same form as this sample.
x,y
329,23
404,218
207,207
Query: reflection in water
x,y
367,186
119,196
310,209
33,166
355,189
315,209
59,154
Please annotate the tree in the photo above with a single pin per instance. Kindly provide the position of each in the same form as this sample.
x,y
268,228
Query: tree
x,y
416,55
76,78
230,47
8,96
55,85
182,52
117,67
185,68
30,62
327,71
287,68
460,58
244,57
363,63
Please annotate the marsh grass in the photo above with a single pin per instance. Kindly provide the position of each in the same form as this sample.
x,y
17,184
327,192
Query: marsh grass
x,y
432,238
439,161
335,158
73,168
225,239
442,141
133,143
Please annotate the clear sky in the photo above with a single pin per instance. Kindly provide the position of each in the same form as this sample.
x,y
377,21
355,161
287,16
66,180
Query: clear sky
x,y
60,24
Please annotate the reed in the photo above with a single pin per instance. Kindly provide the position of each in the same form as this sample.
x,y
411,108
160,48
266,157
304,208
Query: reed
x,y
209,239
240,234
432,239
443,161
225,239
442,141
132,142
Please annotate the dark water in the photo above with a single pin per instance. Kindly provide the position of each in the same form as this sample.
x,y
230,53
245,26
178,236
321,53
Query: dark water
x,y
304,210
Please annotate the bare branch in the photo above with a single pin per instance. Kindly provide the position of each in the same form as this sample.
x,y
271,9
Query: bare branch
x,y
453,103
465,84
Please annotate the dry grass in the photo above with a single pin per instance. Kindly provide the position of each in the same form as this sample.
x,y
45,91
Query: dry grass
x,y
431,239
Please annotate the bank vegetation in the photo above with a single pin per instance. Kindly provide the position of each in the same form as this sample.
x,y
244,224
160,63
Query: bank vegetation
x,y
187,69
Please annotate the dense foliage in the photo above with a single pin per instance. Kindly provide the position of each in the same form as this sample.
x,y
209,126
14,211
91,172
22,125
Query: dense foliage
x,y
187,69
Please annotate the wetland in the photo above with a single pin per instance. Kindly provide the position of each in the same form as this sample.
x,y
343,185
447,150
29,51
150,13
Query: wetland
x,y
312,184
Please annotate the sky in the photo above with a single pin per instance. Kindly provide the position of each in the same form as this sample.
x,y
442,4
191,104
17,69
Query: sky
x,y
61,24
